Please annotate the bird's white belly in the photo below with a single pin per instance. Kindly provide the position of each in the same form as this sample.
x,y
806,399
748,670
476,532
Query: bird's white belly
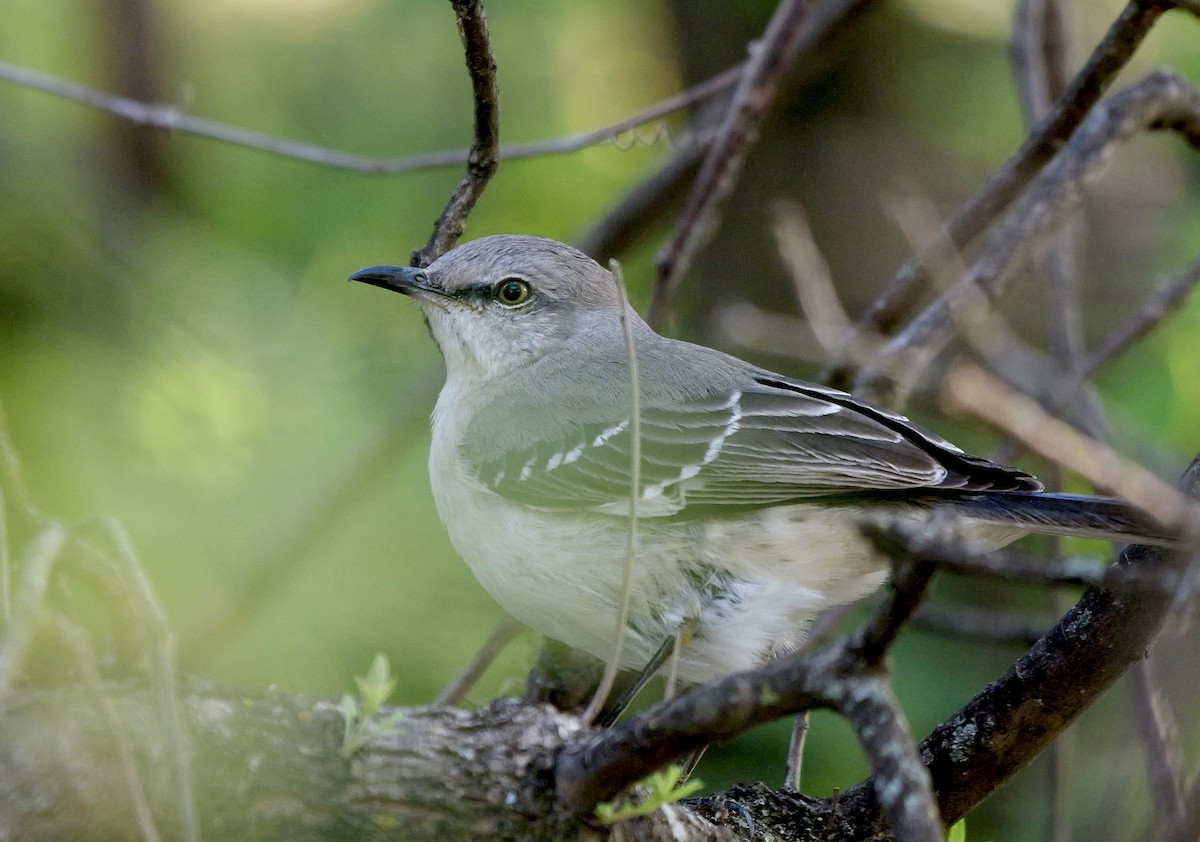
x,y
752,584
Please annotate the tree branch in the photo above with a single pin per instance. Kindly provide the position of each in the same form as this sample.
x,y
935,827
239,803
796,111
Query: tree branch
x,y
484,155
172,118
769,60
1162,100
1006,184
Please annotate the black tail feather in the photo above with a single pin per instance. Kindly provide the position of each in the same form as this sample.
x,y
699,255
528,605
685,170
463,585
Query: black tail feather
x,y
1077,515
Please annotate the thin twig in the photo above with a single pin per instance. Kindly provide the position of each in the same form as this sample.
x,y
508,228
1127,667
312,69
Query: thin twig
x,y
596,770
980,324
635,493
1161,744
769,59
973,217
980,625
172,118
795,758
1162,100
505,630
907,588
483,158
811,279
1039,52
641,207
997,733
1166,299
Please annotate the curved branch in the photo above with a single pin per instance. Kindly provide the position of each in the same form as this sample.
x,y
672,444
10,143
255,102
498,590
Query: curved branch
x,y
483,158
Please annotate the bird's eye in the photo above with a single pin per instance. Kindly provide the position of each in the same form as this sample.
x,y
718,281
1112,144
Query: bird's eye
x,y
511,292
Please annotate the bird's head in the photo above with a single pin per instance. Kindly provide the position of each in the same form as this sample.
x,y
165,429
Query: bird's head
x,y
502,302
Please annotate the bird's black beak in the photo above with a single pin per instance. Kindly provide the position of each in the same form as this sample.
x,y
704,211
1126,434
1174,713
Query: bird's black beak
x,y
408,280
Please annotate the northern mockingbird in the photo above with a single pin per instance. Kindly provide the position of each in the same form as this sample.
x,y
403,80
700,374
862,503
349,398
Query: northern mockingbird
x,y
754,486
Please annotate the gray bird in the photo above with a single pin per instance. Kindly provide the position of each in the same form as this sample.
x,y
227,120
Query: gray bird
x,y
754,487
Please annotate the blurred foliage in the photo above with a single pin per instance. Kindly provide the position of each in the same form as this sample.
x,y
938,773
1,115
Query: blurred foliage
x,y
177,347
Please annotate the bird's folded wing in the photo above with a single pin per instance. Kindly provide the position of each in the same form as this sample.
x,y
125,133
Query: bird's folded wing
x,y
772,442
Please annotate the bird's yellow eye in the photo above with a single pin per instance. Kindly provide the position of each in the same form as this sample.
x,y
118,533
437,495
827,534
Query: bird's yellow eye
x,y
511,291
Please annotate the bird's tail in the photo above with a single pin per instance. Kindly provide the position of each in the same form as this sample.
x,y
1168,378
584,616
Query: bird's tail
x,y
1075,515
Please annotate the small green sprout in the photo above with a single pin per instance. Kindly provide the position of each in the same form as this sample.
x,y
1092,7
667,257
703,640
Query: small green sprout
x,y
957,831
374,688
665,788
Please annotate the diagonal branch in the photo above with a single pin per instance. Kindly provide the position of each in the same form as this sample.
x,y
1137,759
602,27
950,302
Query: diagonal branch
x,y
769,60
1089,84
649,201
1162,100
1014,718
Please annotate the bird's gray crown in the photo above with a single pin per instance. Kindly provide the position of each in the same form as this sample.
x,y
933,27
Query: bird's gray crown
x,y
555,271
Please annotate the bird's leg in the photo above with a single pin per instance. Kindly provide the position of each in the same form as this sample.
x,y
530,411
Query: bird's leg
x,y
668,649
796,752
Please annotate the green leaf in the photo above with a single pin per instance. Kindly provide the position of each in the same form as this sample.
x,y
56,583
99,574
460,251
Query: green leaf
x,y
957,831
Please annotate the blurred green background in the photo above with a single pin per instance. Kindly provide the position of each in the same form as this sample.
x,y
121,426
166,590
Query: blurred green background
x,y
178,347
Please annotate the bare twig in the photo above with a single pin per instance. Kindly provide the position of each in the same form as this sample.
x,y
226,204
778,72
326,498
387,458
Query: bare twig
x,y
815,290
172,118
769,60
999,730
483,158
972,218
1161,100
847,677
908,586
505,631
982,625
1039,55
1164,301
1160,740
597,769
981,325
650,200
795,758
